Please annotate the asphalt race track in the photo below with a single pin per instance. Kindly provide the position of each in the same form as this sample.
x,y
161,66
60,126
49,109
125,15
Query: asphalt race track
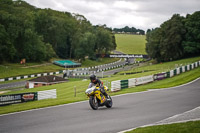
x,y
129,111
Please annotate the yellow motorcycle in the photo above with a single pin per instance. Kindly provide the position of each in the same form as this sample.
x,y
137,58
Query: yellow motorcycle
x,y
97,99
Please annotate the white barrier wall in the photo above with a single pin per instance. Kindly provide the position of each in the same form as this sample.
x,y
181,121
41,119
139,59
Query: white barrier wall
x,y
183,68
178,70
47,94
192,65
171,73
116,85
196,64
188,67
144,80
131,82
1,80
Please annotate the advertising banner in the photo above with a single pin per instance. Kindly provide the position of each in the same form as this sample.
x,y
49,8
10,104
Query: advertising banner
x,y
160,76
17,98
121,56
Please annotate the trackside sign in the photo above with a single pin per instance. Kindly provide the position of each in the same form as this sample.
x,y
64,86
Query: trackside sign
x,y
25,97
121,56
17,98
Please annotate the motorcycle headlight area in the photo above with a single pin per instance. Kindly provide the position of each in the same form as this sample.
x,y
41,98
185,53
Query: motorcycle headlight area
x,y
88,91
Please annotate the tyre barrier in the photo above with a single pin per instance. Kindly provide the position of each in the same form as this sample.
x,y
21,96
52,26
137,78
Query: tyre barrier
x,y
122,84
73,73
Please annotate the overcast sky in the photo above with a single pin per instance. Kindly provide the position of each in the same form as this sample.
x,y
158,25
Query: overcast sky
x,y
143,14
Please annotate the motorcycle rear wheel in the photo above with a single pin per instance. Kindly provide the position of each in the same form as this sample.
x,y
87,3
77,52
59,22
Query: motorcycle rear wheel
x,y
93,102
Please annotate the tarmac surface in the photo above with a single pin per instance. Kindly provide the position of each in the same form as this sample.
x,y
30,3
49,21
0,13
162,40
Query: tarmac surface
x,y
129,111
12,85
99,74
191,115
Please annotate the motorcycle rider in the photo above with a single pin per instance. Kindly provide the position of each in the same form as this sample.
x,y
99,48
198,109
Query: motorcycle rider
x,y
97,82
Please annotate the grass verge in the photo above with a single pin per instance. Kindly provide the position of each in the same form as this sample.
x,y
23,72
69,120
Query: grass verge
x,y
16,69
130,44
65,91
188,127
162,67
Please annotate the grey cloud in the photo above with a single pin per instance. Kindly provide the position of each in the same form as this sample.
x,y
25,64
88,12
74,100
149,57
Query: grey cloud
x,y
118,13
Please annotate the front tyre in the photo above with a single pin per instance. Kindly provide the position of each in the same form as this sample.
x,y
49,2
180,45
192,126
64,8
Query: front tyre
x,y
93,102
109,102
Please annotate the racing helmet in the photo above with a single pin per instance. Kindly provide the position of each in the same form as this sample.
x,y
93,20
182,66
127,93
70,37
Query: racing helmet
x,y
92,77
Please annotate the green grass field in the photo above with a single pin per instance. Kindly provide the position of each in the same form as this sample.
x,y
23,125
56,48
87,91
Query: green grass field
x,y
187,127
16,69
130,44
65,91
148,67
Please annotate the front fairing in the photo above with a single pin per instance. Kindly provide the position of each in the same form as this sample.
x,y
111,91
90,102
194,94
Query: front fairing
x,y
106,88
91,91
95,91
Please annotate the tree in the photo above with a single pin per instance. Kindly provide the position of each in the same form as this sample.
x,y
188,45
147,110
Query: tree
x,y
153,44
172,32
40,34
191,43
165,43
85,46
104,41
131,30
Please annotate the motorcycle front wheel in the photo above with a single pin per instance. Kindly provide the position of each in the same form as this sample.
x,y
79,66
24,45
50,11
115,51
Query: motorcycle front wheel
x,y
109,102
93,102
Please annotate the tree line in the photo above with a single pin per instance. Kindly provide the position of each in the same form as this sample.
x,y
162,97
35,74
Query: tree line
x,y
131,30
40,34
176,38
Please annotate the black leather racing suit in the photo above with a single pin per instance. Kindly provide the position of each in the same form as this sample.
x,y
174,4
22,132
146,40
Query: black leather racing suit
x,y
99,84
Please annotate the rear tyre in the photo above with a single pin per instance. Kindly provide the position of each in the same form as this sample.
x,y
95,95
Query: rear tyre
x,y
109,102
93,102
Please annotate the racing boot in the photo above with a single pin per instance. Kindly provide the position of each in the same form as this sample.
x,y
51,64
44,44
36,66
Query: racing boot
x,y
107,96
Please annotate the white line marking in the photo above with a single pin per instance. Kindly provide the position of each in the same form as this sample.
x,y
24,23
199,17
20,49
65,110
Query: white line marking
x,y
167,123
158,125
43,108
172,118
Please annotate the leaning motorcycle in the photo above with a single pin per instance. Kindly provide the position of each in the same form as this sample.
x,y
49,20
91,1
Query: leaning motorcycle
x,y
97,99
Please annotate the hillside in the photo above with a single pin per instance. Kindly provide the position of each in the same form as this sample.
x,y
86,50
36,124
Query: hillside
x,y
37,35
130,44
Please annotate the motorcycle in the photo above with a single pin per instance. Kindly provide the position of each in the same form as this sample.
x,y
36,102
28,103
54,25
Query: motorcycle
x,y
97,99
